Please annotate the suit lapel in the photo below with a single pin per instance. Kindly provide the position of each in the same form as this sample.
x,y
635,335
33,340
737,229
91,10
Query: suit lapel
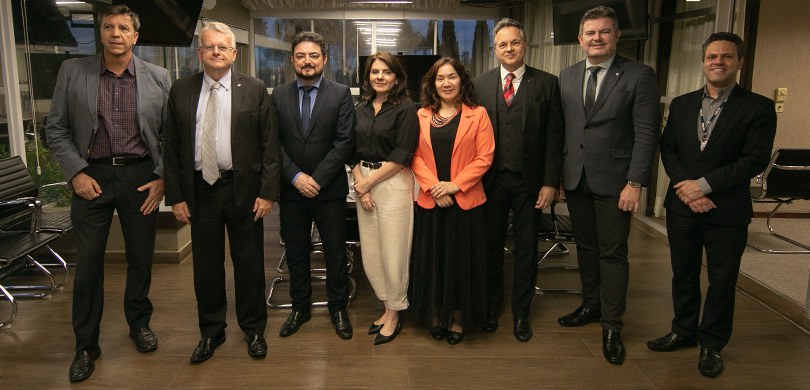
x,y
293,104
323,94
725,116
92,91
236,102
193,102
526,91
612,76
140,71
464,125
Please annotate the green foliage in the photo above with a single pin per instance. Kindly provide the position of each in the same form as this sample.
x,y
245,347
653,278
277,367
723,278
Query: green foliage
x,y
51,173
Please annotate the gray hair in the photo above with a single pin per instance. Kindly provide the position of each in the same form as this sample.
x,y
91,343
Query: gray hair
x,y
220,28
506,22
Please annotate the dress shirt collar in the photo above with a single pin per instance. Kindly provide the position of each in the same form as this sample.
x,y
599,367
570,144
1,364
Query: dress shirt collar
x,y
130,67
722,95
317,84
605,65
518,73
225,81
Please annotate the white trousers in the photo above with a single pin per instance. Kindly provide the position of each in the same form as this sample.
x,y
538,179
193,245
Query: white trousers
x,y
386,232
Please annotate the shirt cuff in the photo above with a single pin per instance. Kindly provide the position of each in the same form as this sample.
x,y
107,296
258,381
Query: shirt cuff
x,y
704,186
295,178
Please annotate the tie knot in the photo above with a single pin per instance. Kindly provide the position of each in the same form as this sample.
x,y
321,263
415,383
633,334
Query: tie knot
x,y
510,76
307,88
215,85
594,69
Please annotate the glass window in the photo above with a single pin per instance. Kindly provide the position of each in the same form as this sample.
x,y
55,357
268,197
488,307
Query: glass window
x,y
468,41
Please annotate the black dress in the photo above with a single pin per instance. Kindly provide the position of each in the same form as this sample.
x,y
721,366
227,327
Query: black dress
x,y
448,261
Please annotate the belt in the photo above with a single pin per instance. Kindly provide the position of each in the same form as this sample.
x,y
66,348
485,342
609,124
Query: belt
x,y
222,174
371,165
117,161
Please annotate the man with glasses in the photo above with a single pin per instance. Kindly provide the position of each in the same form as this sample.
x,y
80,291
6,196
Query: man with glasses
x,y
315,118
104,127
524,106
222,172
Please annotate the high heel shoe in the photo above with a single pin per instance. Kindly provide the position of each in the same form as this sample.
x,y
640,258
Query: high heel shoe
x,y
454,338
374,328
438,332
382,339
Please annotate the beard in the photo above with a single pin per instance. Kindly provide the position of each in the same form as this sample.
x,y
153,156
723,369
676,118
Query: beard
x,y
313,76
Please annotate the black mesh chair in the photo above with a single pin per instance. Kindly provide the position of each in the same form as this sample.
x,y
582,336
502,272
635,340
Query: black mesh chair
x,y
786,179
556,230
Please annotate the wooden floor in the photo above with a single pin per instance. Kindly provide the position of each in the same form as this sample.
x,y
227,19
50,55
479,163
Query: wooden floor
x,y
766,351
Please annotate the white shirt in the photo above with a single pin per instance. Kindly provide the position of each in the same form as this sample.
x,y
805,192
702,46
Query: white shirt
x,y
223,121
519,72
600,76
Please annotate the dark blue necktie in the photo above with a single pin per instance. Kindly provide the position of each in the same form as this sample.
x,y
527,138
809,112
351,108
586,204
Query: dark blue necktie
x,y
306,102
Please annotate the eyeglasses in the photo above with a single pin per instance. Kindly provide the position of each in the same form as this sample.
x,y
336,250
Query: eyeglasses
x,y
220,48
516,44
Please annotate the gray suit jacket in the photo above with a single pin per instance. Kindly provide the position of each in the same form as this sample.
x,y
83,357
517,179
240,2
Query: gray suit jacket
x,y
617,141
322,150
73,118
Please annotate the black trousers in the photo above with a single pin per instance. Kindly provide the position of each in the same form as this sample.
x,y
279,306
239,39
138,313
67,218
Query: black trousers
x,y
724,246
509,192
215,211
91,227
600,232
330,219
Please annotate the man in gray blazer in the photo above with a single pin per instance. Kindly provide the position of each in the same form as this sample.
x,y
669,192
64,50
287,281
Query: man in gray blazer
x,y
315,118
524,105
105,128
612,117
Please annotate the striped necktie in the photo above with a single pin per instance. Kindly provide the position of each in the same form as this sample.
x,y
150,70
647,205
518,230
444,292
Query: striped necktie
x,y
509,89
208,155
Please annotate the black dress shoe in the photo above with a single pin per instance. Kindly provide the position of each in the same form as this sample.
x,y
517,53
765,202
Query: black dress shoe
x,y
145,339
84,364
671,342
294,321
523,331
256,346
343,327
438,332
454,338
612,346
374,328
710,364
579,317
382,339
205,349
492,322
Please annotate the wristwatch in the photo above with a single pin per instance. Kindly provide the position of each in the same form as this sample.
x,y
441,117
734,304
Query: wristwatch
x,y
634,184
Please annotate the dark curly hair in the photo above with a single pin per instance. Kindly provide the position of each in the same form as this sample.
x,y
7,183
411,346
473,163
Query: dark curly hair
x,y
429,97
398,91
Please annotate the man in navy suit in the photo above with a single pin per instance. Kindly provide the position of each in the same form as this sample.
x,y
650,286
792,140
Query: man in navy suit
x,y
222,172
612,117
105,128
315,118
716,139
524,106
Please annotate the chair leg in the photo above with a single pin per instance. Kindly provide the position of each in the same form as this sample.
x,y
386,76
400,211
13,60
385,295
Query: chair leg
x,y
773,233
6,294
45,290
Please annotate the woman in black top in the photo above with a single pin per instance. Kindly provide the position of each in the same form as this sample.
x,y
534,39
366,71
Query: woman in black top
x,y
386,136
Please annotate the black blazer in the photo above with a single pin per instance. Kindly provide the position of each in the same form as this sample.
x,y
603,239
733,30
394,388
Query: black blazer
x,y
543,126
738,149
328,144
254,142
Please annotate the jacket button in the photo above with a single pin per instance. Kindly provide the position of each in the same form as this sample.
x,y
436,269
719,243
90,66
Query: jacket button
x,y
580,146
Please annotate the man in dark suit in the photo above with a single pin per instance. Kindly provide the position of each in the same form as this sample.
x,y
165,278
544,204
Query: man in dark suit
x,y
524,106
612,116
223,172
316,120
716,139
105,127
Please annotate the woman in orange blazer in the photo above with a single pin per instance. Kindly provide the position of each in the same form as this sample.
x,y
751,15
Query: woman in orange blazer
x,y
456,146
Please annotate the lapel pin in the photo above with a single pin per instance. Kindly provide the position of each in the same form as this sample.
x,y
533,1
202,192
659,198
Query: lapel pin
x,y
238,85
